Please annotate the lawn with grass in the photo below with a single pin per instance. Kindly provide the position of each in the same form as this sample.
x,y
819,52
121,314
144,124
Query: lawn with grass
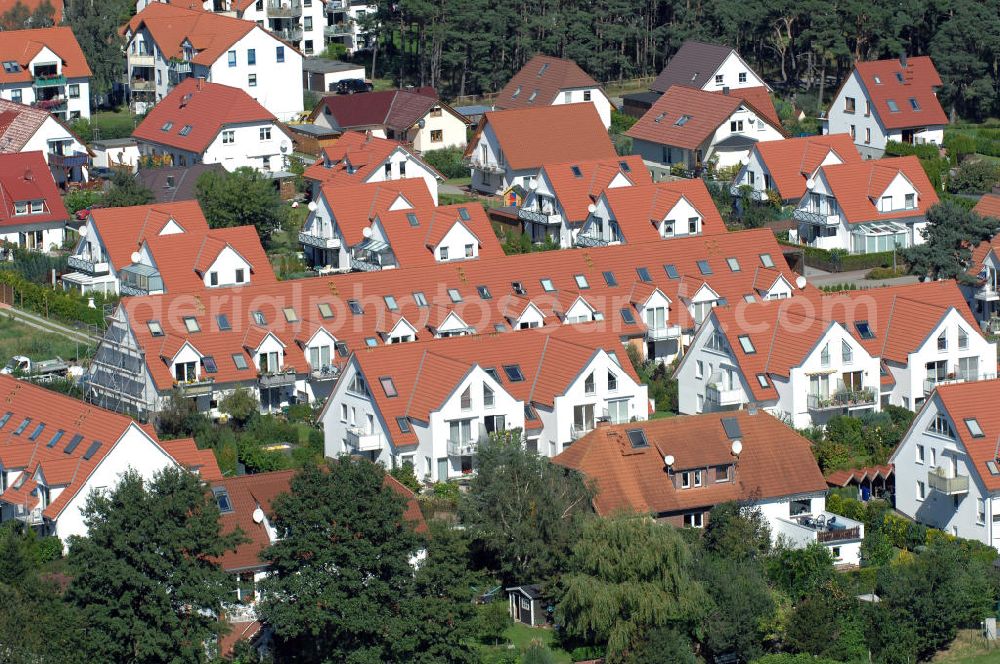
x,y
969,647
16,338
106,124
519,636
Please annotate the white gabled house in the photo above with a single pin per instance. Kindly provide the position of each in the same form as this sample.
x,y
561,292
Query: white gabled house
x,y
45,68
786,168
547,81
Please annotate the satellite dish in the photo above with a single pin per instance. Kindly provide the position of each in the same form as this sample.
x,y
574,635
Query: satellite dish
x,y
135,257
258,515
800,282
312,206
810,183
591,208
83,231
422,123
533,185
669,460
367,231
737,447
284,146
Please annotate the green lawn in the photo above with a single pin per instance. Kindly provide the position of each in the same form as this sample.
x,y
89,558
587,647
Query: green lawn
x,y
283,246
111,124
459,182
521,636
968,648
19,339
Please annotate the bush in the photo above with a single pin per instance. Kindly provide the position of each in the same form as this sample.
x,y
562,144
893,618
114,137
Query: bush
x,y
448,161
407,476
621,122
448,490
48,549
974,176
66,306
886,272
81,199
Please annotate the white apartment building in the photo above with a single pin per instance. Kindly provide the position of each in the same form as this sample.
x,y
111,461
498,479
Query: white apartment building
x,y
45,68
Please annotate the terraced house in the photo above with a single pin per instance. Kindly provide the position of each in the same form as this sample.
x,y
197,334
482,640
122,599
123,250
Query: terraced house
x,y
45,68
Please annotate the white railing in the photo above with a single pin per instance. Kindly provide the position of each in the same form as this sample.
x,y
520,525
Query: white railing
x,y
665,332
362,440
462,447
578,431
988,293
725,397
485,166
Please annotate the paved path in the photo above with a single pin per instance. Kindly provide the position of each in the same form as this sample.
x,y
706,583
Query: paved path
x,y
50,326
451,189
855,277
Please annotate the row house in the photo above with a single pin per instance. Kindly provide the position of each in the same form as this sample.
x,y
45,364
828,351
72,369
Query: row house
x,y
57,450
546,81
160,248
888,100
692,129
31,129
808,359
653,295
561,198
432,404
209,123
982,289
246,504
947,467
386,225
417,117
166,44
510,147
32,214
862,208
45,68
650,212
361,157
786,169
677,469
698,65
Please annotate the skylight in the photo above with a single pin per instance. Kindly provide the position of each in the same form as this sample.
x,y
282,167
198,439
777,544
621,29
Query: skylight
x,y
463,214
191,323
412,218
681,121
390,303
747,344
324,310
581,281
891,103
388,386
38,431
974,428
73,443
762,380
492,373
513,372
223,322
5,418
637,438
258,317
643,274
208,362
766,260
671,271
659,117
577,173
534,93
484,292
704,267
22,426
371,342
864,329
240,361
627,316
625,167
543,68
92,450
609,278
11,66
290,315
878,81
454,295
403,424
154,328
185,130
419,299
355,307
517,91
734,264
167,126
899,76
222,500
914,104
547,285
517,287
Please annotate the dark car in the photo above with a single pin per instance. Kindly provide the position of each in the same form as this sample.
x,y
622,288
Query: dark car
x,y
349,86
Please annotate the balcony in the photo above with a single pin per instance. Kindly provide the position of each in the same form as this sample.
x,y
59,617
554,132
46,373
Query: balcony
x,y
139,85
841,399
987,293
816,218
739,190
68,160
325,373
180,67
537,217
661,333
338,29
49,80
363,441
721,396
485,166
938,480
276,379
196,387
293,34
321,242
50,104
587,240
578,431
31,517
140,280
336,6
931,383
87,266
141,60
364,265
462,448
825,528
286,9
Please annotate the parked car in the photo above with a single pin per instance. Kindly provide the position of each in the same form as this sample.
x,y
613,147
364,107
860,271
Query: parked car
x,y
351,85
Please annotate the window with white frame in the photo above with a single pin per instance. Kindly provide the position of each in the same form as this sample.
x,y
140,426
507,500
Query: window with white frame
x,y
846,352
589,384
921,490
980,511
489,398
963,338
920,453
694,520
618,411
228,136
319,357
265,133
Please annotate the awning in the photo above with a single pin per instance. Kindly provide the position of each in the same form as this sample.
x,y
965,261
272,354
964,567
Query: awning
x,y
373,244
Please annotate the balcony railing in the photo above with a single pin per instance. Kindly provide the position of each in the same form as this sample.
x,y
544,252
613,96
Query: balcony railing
x,y
842,399
286,9
68,160
321,242
839,534
139,85
338,29
50,104
578,431
288,34
180,67
537,217
141,60
485,166
960,377
363,441
816,218
987,293
49,81
364,265
197,387
32,517
325,373
661,333
939,481
277,378
725,397
335,5
88,266
462,447
587,240
752,194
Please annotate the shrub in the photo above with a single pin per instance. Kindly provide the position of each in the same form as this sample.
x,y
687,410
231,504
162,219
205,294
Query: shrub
x,y
66,306
448,490
81,199
974,176
621,122
48,549
886,272
448,161
406,475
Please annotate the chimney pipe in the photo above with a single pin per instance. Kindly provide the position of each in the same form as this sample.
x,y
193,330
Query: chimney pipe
x,y
902,59
725,90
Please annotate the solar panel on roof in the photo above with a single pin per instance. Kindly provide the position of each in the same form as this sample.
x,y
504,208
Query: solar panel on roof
x,y
92,450
637,438
55,438
74,441
731,426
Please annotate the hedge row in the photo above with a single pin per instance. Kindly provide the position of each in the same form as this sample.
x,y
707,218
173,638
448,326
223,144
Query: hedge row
x,y
66,306
839,261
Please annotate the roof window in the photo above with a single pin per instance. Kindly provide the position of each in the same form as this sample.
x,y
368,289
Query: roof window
x,y
191,323
240,361
704,267
223,322
73,443
609,278
290,315
637,438
324,310
747,344
454,295
628,316
185,130
974,428
681,121
864,329
388,386
92,450
643,274
222,500
155,329
891,103
513,372
355,307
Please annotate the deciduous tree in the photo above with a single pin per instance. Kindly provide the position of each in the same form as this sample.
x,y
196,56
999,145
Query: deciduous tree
x,y
244,197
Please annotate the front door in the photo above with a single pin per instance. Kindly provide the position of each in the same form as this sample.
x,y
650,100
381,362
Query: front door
x,y
442,474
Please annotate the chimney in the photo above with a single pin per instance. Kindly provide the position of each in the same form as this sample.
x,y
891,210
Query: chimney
x,y
902,59
28,175
602,423
201,80
725,90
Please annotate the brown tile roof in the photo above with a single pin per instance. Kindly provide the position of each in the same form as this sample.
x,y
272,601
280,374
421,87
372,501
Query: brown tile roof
x,y
775,462
21,46
195,112
393,109
919,81
184,180
639,210
692,65
359,152
858,187
25,177
577,192
792,161
495,275
532,137
705,113
170,25
842,478
539,82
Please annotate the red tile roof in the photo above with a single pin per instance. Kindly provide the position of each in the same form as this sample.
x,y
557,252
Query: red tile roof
x,y
58,467
775,462
540,81
792,161
759,98
842,478
881,78
123,230
26,177
639,210
705,113
359,155
21,46
496,275
248,492
211,35
414,245
33,5
858,187
195,112
354,206
576,193
532,137
398,110
974,400
18,124
988,206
